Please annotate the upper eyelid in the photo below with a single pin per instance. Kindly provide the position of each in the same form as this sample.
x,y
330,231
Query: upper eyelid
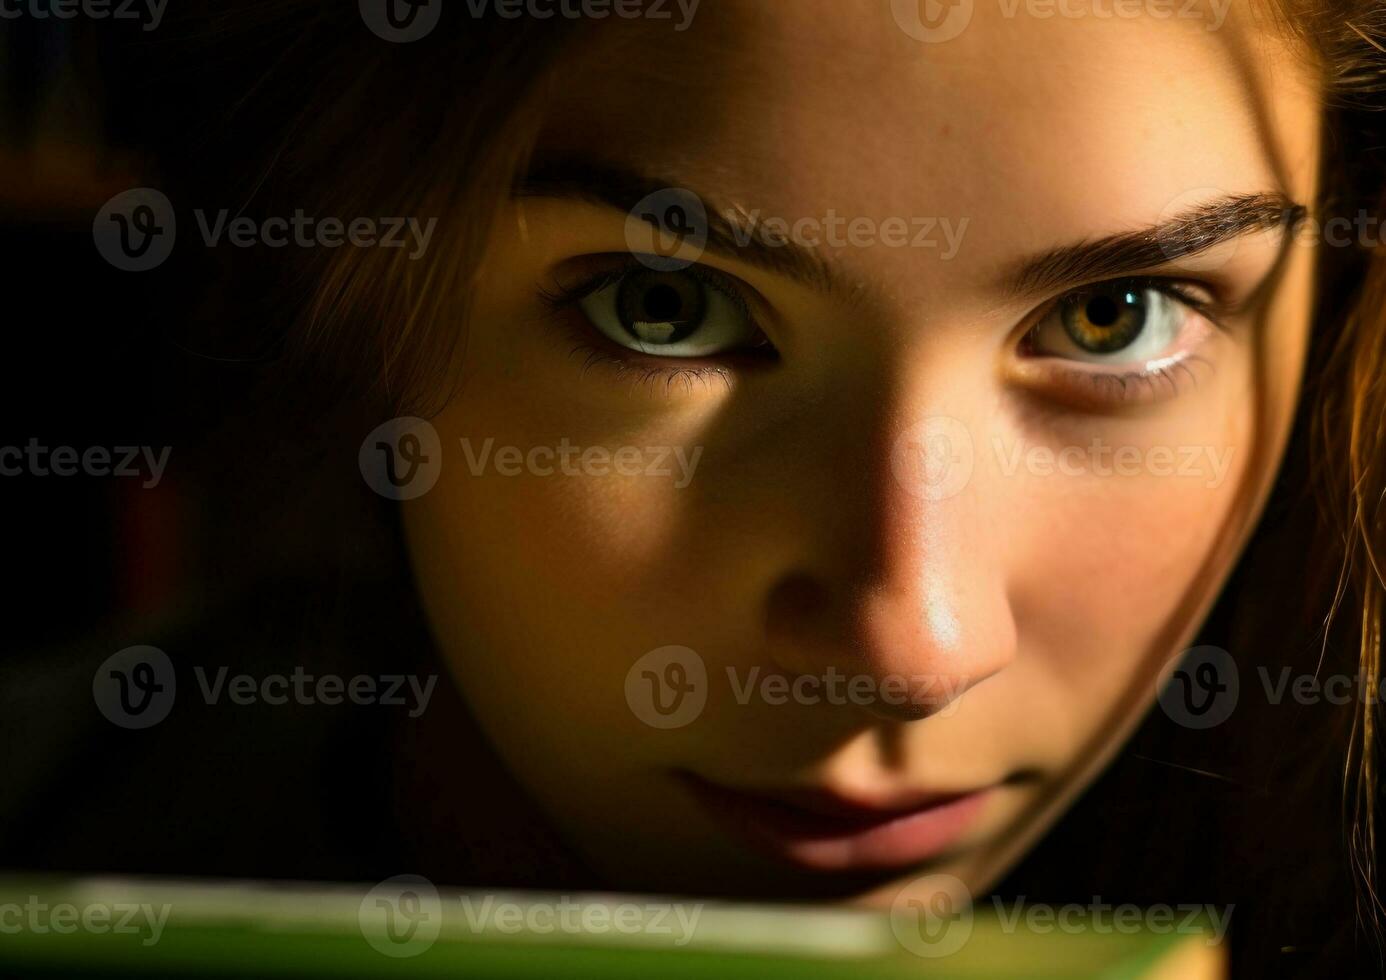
x,y
624,263
1213,307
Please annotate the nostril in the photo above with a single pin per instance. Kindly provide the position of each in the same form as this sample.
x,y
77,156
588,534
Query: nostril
x,y
797,600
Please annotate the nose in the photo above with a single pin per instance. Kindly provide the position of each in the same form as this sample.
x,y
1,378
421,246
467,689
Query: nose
x,y
902,594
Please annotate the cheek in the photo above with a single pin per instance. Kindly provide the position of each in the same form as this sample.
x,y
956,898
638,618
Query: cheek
x,y
542,557
1109,565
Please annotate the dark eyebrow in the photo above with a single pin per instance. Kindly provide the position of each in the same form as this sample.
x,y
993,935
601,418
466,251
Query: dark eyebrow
x,y
1189,233
622,189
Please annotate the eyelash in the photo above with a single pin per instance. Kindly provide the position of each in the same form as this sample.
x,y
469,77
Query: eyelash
x,y
563,299
1115,387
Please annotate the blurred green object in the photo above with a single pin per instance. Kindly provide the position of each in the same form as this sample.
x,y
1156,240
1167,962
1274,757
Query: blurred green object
x,y
407,928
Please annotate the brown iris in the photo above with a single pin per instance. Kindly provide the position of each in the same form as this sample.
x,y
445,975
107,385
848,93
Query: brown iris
x,y
1103,321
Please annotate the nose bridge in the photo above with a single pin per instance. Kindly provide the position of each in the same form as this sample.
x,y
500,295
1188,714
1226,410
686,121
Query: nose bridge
x,y
904,579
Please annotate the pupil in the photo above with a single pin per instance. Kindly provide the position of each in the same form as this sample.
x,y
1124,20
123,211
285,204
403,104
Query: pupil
x,y
1103,311
661,308
663,303
1106,322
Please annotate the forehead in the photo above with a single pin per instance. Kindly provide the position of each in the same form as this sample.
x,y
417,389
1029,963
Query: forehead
x,y
1036,125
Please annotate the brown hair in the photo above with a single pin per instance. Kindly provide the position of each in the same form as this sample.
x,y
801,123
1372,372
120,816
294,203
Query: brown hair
x,y
1347,389
373,327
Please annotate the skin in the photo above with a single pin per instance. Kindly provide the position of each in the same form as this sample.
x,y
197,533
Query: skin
x,y
1044,606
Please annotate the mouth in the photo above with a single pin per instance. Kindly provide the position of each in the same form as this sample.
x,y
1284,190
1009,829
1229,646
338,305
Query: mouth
x,y
821,830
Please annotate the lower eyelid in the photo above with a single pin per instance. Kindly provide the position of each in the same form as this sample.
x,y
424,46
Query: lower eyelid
x,y
591,353
1092,386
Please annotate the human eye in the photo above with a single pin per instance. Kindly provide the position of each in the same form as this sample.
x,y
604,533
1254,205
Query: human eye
x,y
654,310
1124,339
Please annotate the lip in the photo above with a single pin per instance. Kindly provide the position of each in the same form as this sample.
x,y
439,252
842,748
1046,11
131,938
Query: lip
x,y
821,830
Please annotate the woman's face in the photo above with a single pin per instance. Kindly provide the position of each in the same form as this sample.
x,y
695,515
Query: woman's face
x,y
926,467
